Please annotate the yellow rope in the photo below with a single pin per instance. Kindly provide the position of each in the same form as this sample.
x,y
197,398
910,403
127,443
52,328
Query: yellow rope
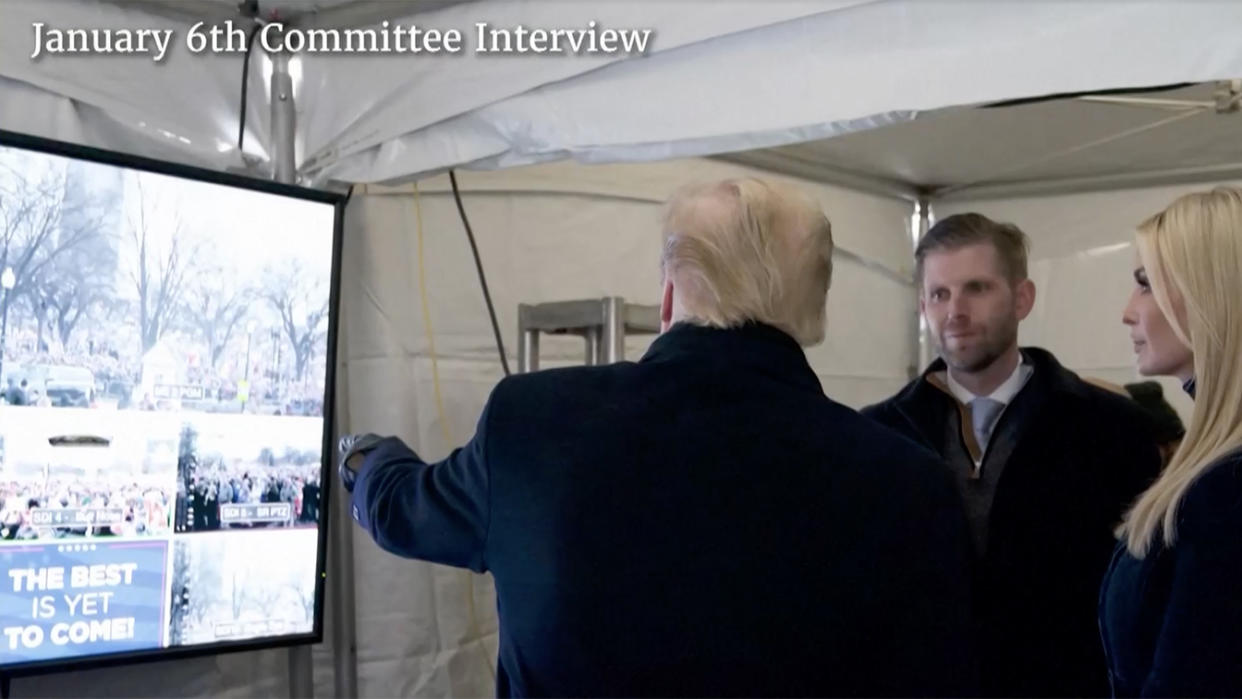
x,y
435,382
431,338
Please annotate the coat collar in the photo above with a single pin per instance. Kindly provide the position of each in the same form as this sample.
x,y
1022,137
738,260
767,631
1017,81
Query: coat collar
x,y
1049,375
754,345
923,399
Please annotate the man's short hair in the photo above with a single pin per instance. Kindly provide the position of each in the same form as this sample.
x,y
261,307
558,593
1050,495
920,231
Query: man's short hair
x,y
747,250
960,230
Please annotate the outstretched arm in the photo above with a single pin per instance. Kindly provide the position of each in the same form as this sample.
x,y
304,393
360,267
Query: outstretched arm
x,y
435,512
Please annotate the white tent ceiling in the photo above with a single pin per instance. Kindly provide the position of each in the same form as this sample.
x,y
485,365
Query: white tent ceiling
x,y
1065,144
787,78
841,70
337,13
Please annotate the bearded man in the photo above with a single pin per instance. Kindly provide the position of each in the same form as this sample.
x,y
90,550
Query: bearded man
x,y
1045,462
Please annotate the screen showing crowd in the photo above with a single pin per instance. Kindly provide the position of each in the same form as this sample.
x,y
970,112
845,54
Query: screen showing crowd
x,y
163,359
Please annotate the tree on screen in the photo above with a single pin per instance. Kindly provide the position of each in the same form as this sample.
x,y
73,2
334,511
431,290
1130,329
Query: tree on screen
x,y
204,583
239,592
81,280
47,228
263,597
179,597
60,296
69,300
197,591
214,308
162,253
300,298
306,595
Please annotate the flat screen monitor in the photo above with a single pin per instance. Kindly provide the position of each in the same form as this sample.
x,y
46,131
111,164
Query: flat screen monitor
x,y
166,392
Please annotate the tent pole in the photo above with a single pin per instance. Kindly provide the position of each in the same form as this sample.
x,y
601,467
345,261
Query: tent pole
x,y
339,594
283,119
922,344
301,670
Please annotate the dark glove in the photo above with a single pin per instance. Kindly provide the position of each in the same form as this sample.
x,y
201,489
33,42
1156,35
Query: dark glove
x,y
352,445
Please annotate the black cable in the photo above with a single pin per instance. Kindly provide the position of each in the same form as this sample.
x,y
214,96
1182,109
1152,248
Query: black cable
x,y
478,264
1070,95
241,125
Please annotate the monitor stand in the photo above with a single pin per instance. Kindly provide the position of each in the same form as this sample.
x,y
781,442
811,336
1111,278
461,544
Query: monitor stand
x,y
301,673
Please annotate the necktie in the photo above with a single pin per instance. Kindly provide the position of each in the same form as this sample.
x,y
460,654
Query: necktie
x,y
983,413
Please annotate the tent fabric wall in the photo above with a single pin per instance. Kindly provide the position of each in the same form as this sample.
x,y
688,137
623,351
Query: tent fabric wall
x,y
1082,262
231,676
598,236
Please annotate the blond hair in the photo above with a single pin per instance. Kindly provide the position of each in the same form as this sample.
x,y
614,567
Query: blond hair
x,y
745,250
1192,252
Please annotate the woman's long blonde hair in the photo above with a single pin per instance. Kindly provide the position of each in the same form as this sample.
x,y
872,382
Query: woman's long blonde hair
x,y
1192,252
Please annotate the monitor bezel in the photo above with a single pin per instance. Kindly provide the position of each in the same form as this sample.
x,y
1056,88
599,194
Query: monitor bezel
x,y
66,149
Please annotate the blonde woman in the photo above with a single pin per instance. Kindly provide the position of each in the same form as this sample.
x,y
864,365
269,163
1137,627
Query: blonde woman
x,y
1171,603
